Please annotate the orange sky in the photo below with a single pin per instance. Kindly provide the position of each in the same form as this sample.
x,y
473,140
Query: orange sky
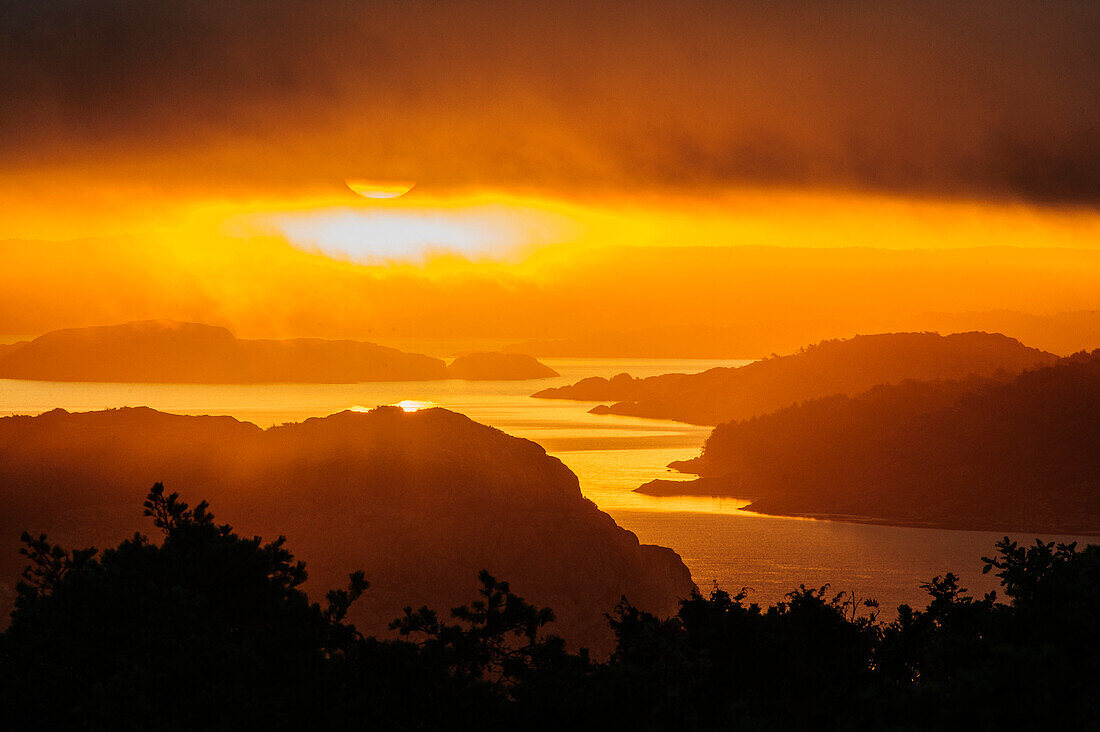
x,y
785,171
665,270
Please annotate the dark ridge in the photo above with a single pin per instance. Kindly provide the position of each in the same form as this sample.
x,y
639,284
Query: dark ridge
x,y
831,367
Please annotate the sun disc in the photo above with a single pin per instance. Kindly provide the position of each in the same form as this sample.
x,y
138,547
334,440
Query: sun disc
x,y
379,189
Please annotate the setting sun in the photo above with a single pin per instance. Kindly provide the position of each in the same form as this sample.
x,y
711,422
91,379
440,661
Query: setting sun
x,y
378,189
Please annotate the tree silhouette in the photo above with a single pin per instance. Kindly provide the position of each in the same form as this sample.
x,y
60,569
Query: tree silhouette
x,y
210,630
497,639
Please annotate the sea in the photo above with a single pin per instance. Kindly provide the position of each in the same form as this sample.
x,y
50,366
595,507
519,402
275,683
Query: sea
x,y
722,544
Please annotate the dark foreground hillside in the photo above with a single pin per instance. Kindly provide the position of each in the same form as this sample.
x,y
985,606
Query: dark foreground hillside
x,y
421,501
1006,455
831,367
199,628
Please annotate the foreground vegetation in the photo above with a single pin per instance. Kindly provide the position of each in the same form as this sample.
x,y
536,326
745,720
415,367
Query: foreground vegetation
x,y
209,630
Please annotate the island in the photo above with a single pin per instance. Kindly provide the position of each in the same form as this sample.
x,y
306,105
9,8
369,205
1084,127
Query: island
x,y
848,366
421,501
497,366
168,351
998,453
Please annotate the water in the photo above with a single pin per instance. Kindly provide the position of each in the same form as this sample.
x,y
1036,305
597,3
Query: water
x,y
611,456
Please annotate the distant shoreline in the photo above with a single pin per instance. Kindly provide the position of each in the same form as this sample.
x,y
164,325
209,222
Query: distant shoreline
x,y
667,492
914,524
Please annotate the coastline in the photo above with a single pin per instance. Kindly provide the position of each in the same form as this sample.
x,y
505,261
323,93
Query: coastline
x,y
669,489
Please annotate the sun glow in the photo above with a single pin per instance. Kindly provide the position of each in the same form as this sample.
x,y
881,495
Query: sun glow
x,y
407,405
415,405
472,227
502,227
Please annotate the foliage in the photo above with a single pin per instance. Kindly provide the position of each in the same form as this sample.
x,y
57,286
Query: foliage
x,y
210,630
497,639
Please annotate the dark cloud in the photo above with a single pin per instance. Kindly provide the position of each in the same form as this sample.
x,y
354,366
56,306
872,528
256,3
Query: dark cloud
x,y
989,99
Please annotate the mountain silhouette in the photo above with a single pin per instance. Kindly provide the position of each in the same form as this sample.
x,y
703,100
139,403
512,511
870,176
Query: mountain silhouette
x,y
169,351
831,367
999,453
421,501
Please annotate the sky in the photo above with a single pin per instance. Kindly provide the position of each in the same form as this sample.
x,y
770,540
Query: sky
x,y
191,160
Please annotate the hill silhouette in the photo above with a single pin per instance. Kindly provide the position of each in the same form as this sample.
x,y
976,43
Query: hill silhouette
x,y
1007,454
9,348
174,352
421,501
496,366
831,367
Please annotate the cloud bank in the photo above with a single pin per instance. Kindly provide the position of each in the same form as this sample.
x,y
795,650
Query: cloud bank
x,y
978,99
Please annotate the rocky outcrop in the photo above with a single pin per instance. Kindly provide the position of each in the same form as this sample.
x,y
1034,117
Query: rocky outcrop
x,y
419,500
